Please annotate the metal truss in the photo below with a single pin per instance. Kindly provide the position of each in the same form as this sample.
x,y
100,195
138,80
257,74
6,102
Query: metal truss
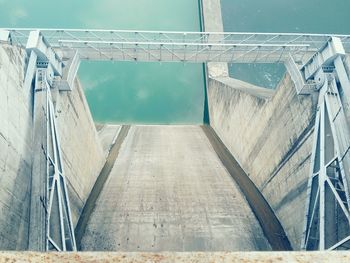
x,y
51,227
327,217
59,227
200,47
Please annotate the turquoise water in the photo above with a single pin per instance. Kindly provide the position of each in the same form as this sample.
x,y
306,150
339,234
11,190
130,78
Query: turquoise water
x,y
125,92
299,16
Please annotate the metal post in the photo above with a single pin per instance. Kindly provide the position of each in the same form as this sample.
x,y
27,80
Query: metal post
x,y
322,174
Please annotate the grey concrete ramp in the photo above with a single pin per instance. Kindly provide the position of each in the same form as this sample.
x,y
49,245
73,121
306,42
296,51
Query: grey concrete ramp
x,y
168,191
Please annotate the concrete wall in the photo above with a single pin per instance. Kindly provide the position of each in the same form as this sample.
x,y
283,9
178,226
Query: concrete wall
x,y
272,139
270,134
81,148
15,150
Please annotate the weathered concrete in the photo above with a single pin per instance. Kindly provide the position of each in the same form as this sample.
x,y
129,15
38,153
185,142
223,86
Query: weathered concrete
x,y
168,191
164,257
270,135
15,150
82,151
99,184
107,135
81,147
212,22
246,87
271,139
269,223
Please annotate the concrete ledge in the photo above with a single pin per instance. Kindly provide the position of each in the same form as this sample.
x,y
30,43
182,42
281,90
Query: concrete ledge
x,y
246,257
246,87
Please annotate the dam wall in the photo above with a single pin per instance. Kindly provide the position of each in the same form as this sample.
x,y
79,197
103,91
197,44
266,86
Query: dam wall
x,y
268,132
272,140
81,149
15,150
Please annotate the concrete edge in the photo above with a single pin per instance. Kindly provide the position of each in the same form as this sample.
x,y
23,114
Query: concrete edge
x,y
246,87
99,184
247,257
270,224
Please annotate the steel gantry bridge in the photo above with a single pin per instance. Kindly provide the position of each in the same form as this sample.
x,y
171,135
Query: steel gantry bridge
x,y
197,47
315,62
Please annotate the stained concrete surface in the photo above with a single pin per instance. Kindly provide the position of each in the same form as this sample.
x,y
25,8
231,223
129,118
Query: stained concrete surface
x,y
269,133
270,224
272,141
107,135
99,184
82,152
246,87
15,149
168,191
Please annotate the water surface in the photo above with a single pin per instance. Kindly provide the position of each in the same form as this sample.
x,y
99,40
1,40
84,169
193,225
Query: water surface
x,y
294,16
125,92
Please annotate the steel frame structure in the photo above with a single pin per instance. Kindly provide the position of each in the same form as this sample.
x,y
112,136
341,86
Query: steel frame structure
x,y
327,216
50,205
59,226
314,61
197,47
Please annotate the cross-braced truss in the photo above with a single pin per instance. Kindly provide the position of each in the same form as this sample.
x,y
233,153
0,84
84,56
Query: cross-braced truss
x,y
59,227
327,218
123,45
328,214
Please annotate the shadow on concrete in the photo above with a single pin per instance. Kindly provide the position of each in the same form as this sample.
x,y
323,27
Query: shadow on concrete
x,y
97,189
270,224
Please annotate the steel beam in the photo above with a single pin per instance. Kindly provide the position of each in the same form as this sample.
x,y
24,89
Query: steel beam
x,y
46,55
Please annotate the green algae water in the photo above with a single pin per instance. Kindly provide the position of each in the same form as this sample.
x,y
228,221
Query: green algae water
x,y
293,16
125,92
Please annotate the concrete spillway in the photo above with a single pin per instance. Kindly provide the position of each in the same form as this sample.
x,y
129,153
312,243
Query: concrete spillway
x,y
168,191
239,183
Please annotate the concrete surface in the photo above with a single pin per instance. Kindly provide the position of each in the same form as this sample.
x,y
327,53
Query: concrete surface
x,y
246,87
99,184
269,133
272,141
269,223
82,150
212,22
15,150
107,135
168,191
220,257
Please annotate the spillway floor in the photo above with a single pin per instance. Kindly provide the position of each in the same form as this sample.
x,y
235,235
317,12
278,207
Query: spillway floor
x,y
168,191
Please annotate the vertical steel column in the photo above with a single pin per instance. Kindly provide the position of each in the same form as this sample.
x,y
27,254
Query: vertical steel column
x,y
322,174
